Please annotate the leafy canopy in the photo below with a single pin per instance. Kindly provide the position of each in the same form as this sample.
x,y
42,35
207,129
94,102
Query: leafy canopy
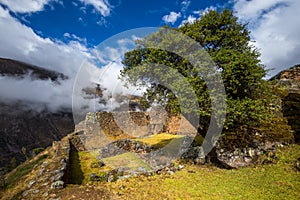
x,y
228,43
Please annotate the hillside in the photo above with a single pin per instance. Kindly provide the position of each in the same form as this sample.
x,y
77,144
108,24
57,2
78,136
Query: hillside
x,y
21,125
155,157
62,172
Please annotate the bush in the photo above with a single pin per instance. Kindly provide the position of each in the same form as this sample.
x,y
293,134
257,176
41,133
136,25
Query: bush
x,y
36,151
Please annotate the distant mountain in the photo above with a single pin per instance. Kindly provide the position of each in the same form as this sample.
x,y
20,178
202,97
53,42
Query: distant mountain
x,y
15,68
21,126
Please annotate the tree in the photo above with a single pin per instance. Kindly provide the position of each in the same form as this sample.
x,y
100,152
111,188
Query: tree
x,y
24,151
228,43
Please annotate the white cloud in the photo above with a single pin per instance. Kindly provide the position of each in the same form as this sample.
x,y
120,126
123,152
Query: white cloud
x,y
73,59
114,93
102,6
191,19
275,27
206,10
102,22
74,37
185,5
74,4
196,15
27,6
20,42
172,17
38,93
108,54
253,9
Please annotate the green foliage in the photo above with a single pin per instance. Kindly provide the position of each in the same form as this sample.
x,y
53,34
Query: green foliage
x,y
246,111
22,170
198,140
36,151
228,43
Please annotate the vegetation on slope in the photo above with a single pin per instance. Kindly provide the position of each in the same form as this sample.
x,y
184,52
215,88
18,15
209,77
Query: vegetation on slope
x,y
273,181
15,181
276,181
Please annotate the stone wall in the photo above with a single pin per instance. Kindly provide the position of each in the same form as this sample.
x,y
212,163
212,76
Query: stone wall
x,y
102,128
51,174
120,125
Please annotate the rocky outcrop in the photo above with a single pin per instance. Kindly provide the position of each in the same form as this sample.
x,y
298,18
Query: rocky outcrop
x,y
292,73
123,146
196,154
264,153
289,80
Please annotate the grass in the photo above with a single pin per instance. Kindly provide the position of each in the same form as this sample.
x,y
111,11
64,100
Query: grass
x,y
86,159
16,180
21,171
277,181
129,160
81,169
159,140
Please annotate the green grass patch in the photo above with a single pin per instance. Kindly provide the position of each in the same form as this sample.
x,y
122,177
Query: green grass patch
x,y
21,171
129,160
159,140
86,160
277,181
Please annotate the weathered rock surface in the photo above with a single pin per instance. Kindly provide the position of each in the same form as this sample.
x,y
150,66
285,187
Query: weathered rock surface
x,y
264,153
290,80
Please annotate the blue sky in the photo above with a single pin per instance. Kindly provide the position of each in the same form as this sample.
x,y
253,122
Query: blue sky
x,y
87,22
62,35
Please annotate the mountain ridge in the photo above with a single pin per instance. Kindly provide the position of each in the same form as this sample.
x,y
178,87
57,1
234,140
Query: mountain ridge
x,y
14,68
22,125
